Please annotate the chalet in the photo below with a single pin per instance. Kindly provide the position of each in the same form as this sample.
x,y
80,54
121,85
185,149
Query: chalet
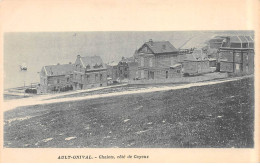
x,y
158,60
127,69
56,78
196,63
90,71
237,55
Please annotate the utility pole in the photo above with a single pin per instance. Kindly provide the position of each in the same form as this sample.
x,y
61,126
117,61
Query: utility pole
x,y
24,88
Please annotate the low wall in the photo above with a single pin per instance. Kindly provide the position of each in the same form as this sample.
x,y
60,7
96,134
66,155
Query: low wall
x,y
204,77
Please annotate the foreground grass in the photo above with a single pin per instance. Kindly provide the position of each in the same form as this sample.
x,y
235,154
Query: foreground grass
x,y
220,115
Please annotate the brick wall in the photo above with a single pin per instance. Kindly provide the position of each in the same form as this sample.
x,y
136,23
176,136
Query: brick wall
x,y
226,66
243,61
55,83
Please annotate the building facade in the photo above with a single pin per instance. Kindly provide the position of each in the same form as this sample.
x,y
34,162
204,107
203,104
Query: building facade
x,y
158,60
127,69
196,63
90,71
56,78
237,55
112,72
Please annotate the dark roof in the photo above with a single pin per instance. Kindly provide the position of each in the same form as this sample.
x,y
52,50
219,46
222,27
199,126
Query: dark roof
x,y
55,70
197,55
158,47
216,40
127,60
93,62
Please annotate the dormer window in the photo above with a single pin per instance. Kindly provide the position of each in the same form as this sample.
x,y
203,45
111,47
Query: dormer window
x,y
96,66
87,67
164,47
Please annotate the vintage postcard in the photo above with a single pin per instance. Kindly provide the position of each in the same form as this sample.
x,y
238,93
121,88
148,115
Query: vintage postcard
x,y
120,81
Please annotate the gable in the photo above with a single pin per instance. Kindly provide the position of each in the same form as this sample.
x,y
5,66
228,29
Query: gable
x,y
145,49
78,62
43,72
157,47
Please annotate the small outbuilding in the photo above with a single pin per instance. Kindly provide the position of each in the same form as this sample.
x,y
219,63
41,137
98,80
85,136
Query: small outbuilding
x,y
196,63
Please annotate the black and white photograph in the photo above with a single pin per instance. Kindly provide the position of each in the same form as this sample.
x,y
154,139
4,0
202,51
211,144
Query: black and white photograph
x,y
140,81
129,89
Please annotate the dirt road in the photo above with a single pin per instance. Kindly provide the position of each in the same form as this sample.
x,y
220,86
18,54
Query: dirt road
x,y
9,105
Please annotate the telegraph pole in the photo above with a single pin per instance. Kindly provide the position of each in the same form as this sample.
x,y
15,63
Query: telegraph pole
x,y
24,88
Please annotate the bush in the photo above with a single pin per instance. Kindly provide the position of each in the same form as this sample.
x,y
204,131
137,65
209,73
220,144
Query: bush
x,y
64,89
28,90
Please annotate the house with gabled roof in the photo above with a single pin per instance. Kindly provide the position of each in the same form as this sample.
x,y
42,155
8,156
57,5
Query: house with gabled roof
x,y
236,55
56,78
90,71
158,60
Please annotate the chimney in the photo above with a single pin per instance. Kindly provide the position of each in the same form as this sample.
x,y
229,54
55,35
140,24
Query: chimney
x,y
151,42
58,63
78,56
70,63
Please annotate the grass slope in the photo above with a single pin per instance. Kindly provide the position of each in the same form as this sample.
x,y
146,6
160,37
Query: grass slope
x,y
220,115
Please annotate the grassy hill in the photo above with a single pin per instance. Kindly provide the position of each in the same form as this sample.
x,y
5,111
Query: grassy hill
x,y
220,115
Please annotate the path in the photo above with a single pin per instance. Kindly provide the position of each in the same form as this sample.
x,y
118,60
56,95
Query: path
x,y
11,104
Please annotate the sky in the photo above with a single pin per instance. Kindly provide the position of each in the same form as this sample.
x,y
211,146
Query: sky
x,y
37,49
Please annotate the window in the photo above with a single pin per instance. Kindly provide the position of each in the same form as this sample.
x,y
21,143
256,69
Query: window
x,y
166,74
178,71
237,66
81,78
151,62
172,60
100,77
96,76
142,61
68,79
58,81
87,78
142,73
